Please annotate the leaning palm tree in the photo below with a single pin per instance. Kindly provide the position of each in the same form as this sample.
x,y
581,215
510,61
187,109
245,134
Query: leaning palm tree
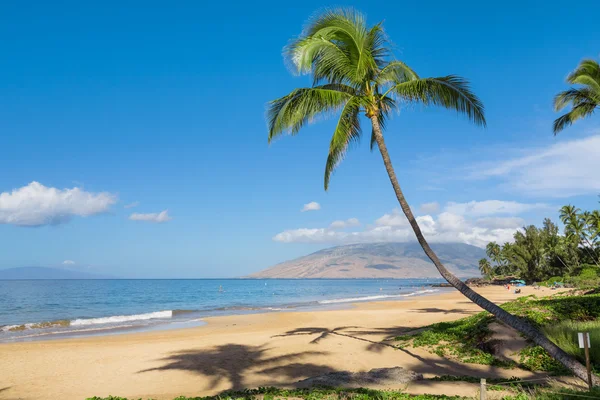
x,y
354,74
584,100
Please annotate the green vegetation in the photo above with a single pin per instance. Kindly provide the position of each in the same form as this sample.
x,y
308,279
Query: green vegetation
x,y
534,358
565,336
584,100
467,339
271,393
543,255
463,340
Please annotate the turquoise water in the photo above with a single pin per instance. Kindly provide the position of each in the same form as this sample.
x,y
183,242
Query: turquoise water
x,y
44,309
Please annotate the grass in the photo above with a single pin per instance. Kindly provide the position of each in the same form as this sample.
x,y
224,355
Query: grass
x,y
271,393
463,340
466,339
565,336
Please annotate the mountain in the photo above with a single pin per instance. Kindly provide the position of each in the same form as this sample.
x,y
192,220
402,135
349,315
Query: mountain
x,y
46,273
379,260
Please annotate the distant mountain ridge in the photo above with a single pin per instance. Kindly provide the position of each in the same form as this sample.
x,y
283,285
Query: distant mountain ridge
x,y
46,273
379,260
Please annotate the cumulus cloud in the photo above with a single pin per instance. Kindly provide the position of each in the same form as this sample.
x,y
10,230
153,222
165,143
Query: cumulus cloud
x,y
562,169
68,262
492,207
131,205
312,206
394,219
471,224
430,208
344,224
38,205
504,222
160,217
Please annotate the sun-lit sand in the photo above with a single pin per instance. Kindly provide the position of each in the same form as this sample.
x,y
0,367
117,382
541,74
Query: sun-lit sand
x,y
244,351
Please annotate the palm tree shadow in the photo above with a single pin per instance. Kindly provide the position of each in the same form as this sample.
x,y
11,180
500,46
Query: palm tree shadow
x,y
234,362
353,332
323,333
440,310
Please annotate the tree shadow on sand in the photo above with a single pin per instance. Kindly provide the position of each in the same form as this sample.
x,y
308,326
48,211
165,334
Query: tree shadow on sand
x,y
385,340
384,335
442,311
234,362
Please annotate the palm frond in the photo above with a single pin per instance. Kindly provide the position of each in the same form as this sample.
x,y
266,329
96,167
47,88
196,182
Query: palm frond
x,y
586,67
584,100
593,85
378,45
581,110
290,113
337,47
348,130
451,92
396,72
575,97
324,59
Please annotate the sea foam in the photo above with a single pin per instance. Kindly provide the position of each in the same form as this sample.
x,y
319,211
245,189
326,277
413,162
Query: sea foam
x,y
122,318
376,297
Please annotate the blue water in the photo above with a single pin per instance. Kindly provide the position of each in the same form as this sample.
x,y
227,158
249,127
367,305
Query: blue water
x,y
85,307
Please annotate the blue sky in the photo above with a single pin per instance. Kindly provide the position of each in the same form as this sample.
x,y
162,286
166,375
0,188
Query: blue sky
x,y
163,107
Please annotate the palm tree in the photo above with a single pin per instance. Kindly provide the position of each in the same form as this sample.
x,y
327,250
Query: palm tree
x,y
354,73
485,268
493,251
576,228
584,100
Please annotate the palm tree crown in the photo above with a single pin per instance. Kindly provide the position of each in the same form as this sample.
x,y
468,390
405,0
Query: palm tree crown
x,y
584,100
354,73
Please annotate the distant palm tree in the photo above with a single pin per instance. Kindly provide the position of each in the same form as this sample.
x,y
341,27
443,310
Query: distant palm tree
x,y
485,267
494,251
576,228
353,74
583,100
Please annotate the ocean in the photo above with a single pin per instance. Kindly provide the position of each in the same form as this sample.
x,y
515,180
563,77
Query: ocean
x,y
49,309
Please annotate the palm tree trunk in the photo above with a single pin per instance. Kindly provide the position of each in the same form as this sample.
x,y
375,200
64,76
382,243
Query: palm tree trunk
x,y
513,321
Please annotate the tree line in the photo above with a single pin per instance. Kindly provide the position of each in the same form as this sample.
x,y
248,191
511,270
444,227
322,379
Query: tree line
x,y
538,254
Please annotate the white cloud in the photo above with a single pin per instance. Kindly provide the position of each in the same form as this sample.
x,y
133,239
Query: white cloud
x,y
395,219
68,262
312,206
567,168
344,224
469,223
162,216
38,205
505,222
491,207
430,208
131,205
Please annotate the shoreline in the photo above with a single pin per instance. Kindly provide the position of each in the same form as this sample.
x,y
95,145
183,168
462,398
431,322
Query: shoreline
x,y
164,320
243,351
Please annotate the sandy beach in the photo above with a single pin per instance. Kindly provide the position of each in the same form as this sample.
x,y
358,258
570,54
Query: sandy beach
x,y
242,351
